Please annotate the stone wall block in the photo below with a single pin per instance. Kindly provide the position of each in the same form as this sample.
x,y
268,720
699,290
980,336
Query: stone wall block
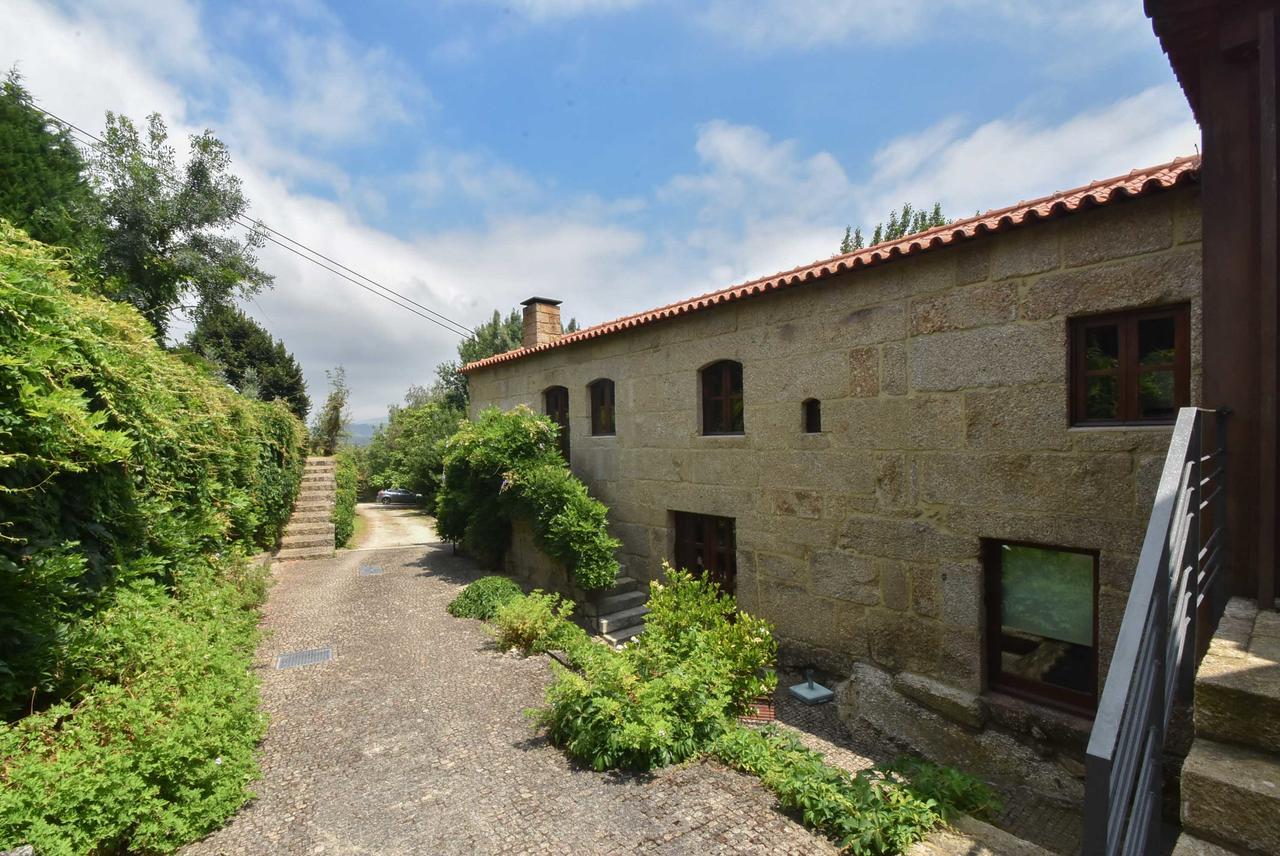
x,y
792,376
864,372
961,590
1097,484
901,641
1187,218
895,586
1153,280
872,325
795,613
924,590
797,503
960,658
960,309
893,369
910,540
1022,253
782,568
1127,229
846,576
1007,355
1027,417
1120,533
973,262
918,422
896,482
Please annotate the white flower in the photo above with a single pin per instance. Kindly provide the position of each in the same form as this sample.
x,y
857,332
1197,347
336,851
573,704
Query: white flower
x,y
218,760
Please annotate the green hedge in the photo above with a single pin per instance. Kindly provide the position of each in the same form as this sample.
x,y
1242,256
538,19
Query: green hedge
x,y
131,480
482,598
346,475
506,465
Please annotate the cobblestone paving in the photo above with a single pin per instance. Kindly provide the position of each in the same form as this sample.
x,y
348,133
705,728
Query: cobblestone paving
x,y
1027,815
412,739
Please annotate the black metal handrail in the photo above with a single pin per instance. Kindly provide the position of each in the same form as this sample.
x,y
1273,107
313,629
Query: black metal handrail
x,y
1180,581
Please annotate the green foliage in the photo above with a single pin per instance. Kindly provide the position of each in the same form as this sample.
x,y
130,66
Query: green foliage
x,y
170,229
330,425
954,791
532,623
495,336
505,465
346,478
482,598
248,356
159,748
408,451
867,813
120,462
669,695
44,187
907,221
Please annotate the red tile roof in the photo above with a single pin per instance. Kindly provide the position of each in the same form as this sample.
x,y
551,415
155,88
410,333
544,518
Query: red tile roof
x,y
1139,182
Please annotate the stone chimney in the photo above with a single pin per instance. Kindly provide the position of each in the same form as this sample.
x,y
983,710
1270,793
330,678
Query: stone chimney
x,y
541,321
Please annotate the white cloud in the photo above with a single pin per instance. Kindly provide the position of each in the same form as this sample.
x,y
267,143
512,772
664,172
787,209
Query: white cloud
x,y
542,10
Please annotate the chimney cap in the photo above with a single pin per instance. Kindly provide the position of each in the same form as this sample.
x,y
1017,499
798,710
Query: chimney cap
x,y
533,300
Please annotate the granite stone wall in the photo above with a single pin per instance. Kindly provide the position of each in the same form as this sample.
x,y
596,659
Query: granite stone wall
x,y
943,382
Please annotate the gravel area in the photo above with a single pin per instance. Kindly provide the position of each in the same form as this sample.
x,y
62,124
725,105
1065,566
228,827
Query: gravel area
x,y
413,739
394,526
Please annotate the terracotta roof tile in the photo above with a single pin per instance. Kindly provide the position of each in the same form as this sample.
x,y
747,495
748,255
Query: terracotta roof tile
x,y
1139,182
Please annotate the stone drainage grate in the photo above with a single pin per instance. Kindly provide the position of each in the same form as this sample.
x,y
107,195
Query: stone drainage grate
x,y
304,658
370,570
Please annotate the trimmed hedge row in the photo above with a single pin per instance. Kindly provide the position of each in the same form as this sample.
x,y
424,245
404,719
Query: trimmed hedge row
x,y
506,464
346,476
131,481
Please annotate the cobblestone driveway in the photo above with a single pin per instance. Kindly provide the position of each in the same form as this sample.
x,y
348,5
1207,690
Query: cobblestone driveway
x,y
412,740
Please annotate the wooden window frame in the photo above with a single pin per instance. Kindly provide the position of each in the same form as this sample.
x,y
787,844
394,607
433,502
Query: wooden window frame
x,y
558,411
603,413
1039,692
811,413
723,405
693,530
1128,371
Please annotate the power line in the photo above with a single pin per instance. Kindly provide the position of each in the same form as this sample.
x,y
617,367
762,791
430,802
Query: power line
x,y
258,227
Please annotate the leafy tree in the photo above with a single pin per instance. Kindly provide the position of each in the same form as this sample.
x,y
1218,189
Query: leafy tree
x,y
252,361
330,424
495,336
44,187
168,241
408,451
907,221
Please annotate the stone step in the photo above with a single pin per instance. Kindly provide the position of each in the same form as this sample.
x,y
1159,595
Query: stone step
x,y
614,603
1231,794
308,527
289,553
310,539
313,505
310,479
622,585
621,619
624,635
322,515
326,493
1189,845
1238,682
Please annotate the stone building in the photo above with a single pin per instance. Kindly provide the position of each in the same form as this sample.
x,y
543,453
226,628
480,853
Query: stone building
x,y
930,462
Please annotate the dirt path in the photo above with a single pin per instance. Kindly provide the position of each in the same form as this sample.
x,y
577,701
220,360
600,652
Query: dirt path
x,y
388,526
412,739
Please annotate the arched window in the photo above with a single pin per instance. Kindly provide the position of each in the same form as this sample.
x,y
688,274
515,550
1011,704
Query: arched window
x,y
812,416
556,402
722,398
602,419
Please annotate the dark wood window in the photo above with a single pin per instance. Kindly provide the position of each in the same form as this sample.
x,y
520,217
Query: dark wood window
x,y
1131,368
812,416
556,401
602,408
1042,625
707,546
722,398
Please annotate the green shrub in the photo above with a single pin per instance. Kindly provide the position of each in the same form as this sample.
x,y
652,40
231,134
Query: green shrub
x,y
346,476
667,696
160,749
954,791
482,598
506,465
533,623
131,483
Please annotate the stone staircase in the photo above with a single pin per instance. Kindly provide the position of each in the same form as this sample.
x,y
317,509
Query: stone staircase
x,y
617,614
309,534
1231,778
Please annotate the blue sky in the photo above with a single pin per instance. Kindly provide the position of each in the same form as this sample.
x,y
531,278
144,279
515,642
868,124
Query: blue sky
x,y
617,154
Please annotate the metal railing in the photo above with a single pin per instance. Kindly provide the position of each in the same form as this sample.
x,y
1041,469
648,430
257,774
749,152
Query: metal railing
x,y
1178,590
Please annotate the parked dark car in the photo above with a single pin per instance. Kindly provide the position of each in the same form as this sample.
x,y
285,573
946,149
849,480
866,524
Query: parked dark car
x,y
398,496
